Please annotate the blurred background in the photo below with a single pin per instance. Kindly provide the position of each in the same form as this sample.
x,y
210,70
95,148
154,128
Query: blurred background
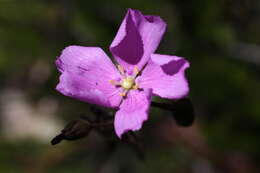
x,y
220,38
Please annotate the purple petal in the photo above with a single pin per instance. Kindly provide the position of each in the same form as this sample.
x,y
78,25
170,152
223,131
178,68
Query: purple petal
x,y
137,38
133,111
86,72
166,76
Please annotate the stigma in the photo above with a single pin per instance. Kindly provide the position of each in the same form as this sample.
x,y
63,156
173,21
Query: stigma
x,y
127,83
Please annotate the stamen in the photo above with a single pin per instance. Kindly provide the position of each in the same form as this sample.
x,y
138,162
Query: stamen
x,y
122,94
127,82
113,82
136,70
121,69
135,87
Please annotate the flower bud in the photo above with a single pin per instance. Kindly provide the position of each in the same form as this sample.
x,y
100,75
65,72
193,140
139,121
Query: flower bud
x,y
182,111
73,130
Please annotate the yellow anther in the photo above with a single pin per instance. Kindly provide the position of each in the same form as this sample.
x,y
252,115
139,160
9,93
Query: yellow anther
x,y
123,94
113,82
135,87
121,69
136,70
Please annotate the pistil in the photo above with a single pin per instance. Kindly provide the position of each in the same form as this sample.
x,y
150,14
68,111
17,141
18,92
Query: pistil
x,y
127,82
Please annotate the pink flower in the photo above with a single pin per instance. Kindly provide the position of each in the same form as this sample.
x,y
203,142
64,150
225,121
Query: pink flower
x,y
89,75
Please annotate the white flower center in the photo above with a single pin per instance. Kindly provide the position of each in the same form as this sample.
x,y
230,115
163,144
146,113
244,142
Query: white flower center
x,y
128,83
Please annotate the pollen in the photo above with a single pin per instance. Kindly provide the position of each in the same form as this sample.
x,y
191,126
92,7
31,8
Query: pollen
x,y
122,94
136,70
135,87
127,83
121,69
113,82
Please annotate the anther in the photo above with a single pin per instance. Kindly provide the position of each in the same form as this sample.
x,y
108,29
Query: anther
x,y
121,69
136,70
113,82
123,94
135,87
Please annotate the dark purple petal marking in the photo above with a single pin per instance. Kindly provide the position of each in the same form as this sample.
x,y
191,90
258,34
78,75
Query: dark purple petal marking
x,y
130,49
173,67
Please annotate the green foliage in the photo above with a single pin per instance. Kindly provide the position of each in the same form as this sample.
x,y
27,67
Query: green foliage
x,y
224,83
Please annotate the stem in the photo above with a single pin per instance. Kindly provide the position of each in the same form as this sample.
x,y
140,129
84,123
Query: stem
x,y
165,106
102,124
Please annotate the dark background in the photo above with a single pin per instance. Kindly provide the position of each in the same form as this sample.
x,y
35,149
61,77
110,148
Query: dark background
x,y
220,38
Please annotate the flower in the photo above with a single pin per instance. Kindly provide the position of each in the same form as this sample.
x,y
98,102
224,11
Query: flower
x,y
89,75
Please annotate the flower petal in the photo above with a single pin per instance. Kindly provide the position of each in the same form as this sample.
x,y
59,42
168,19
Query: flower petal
x,y
165,74
86,72
137,38
133,111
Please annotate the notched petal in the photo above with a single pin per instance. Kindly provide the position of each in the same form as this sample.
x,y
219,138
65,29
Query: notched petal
x,y
137,38
133,111
86,72
165,74
130,49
